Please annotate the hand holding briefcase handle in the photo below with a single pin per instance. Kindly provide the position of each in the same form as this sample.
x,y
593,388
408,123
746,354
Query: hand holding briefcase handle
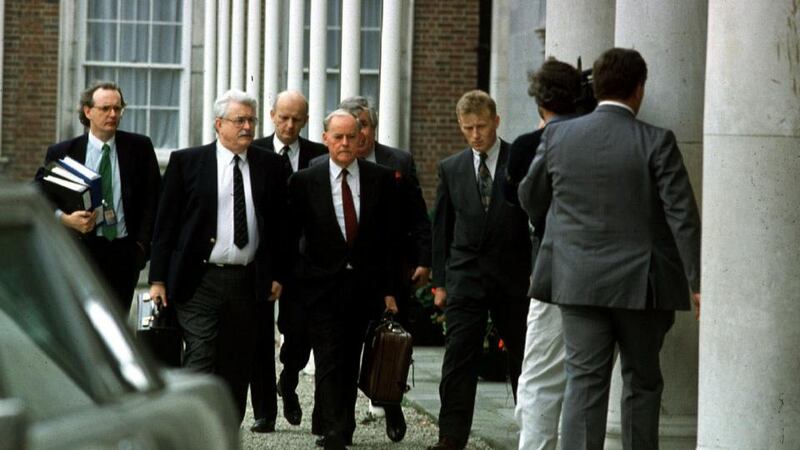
x,y
385,362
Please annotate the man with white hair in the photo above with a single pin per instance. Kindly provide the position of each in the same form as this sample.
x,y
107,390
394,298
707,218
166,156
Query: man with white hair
x,y
218,236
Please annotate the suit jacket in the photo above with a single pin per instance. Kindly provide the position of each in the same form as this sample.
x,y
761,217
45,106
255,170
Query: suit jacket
x,y
324,255
139,176
308,149
622,223
186,226
478,253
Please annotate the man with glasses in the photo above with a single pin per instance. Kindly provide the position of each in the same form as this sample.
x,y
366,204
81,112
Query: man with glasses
x,y
219,241
119,242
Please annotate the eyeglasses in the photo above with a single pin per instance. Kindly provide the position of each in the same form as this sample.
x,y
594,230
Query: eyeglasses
x,y
106,109
240,121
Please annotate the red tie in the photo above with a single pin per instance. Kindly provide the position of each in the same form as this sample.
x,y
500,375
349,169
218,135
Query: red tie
x,y
350,219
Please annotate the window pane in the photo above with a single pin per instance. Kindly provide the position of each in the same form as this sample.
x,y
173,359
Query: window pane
x,y
134,120
167,10
370,49
371,13
331,92
166,44
102,41
333,48
134,43
103,9
133,83
370,88
136,10
99,74
165,88
164,128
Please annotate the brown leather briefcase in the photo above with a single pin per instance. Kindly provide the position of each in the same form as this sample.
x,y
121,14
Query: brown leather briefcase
x,y
385,363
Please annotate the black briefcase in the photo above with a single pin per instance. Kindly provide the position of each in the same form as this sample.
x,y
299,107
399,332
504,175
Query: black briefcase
x,y
157,328
385,362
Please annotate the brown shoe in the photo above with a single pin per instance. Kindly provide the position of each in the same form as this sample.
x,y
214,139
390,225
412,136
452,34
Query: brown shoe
x,y
447,443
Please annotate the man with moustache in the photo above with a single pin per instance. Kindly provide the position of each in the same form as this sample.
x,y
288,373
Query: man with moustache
x,y
119,243
219,241
343,213
289,114
416,226
481,264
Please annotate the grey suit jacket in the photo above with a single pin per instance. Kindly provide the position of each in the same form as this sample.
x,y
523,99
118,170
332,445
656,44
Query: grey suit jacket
x,y
622,226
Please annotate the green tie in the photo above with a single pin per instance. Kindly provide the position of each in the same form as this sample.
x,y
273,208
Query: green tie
x,y
109,231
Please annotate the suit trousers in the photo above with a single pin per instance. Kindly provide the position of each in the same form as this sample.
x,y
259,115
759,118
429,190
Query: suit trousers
x,y
590,335
263,395
338,324
296,348
466,326
540,391
218,324
119,261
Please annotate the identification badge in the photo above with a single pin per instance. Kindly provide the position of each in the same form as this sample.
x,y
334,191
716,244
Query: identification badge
x,y
109,216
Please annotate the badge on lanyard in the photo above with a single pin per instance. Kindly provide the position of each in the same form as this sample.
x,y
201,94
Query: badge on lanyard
x,y
109,216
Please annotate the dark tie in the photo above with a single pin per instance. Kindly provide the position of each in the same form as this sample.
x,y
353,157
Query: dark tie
x,y
484,182
109,231
239,209
350,219
285,154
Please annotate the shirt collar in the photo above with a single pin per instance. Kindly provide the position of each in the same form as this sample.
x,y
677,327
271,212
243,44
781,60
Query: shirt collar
x,y
335,170
278,145
371,156
491,154
95,142
618,104
225,155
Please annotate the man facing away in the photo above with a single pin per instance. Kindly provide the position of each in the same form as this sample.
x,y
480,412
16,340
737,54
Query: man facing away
x,y
289,114
343,212
540,392
218,242
119,243
481,264
620,252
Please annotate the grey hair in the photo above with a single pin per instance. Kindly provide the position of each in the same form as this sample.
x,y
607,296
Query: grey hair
x,y
356,104
340,113
222,103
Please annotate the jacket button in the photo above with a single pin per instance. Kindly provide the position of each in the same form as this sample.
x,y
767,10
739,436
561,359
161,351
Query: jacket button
x,y
212,240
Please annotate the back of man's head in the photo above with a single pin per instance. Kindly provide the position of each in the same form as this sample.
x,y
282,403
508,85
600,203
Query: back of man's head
x,y
555,86
617,73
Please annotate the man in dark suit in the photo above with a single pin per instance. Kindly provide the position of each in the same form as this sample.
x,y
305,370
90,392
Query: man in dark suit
x,y
218,242
119,245
289,115
481,264
620,252
416,226
343,213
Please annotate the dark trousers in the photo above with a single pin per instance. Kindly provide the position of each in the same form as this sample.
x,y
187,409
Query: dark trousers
x,y
590,335
119,261
466,327
218,325
263,395
337,336
296,348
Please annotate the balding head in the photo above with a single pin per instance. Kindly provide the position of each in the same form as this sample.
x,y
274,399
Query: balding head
x,y
289,115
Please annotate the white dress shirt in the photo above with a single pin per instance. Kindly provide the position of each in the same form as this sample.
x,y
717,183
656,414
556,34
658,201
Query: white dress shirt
x,y
491,158
353,180
294,151
94,153
225,251
619,104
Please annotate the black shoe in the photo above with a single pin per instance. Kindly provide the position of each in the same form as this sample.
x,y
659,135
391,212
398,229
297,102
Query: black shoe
x,y
332,441
291,406
395,423
447,443
263,426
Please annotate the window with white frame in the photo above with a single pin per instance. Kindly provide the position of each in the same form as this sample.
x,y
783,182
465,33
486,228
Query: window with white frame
x,y
141,45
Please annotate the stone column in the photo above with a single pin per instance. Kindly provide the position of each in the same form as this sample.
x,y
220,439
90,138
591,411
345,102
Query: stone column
x,y
671,36
223,46
317,68
237,44
294,65
579,28
391,66
750,324
498,64
350,67
253,59
209,69
272,65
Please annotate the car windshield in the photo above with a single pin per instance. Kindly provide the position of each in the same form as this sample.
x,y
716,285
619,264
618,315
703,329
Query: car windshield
x,y
61,347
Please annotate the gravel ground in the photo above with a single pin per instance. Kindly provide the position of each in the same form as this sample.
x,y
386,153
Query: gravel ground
x,y
370,434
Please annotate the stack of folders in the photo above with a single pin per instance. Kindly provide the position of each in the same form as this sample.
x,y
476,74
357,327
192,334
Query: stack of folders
x,y
73,186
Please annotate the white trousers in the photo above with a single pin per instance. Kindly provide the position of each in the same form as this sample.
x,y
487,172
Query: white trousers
x,y
542,381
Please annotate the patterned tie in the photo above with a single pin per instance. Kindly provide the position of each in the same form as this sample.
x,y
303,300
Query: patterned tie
x,y
350,219
109,231
239,209
484,182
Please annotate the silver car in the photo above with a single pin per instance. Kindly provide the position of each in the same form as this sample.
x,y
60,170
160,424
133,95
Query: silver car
x,y
71,374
